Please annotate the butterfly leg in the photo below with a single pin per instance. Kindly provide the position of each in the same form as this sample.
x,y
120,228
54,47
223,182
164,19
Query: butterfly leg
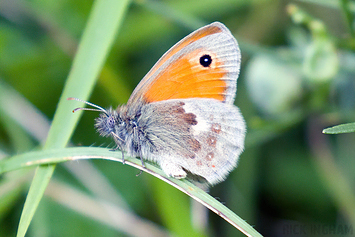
x,y
123,160
142,162
172,170
118,148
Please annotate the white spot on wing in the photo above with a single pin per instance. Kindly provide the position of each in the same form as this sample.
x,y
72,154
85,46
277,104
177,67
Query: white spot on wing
x,y
202,124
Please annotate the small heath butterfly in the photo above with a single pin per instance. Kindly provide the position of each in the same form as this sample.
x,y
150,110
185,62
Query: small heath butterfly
x,y
181,115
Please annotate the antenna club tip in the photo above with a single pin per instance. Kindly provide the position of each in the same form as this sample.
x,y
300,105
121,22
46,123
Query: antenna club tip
x,y
98,108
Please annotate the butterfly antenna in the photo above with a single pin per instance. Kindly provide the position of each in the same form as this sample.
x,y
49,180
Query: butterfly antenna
x,y
98,108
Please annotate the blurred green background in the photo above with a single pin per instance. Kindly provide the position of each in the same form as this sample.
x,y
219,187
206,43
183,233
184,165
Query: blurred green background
x,y
297,78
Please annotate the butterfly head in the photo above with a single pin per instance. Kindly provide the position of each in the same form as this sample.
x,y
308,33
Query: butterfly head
x,y
109,123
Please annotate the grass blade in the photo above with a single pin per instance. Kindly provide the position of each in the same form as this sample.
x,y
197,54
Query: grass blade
x,y
97,39
342,128
54,156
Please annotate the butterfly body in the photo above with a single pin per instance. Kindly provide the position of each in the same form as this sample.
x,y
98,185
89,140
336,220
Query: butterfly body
x,y
200,136
181,115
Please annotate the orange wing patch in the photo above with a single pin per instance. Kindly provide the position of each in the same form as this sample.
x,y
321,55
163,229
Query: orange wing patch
x,y
187,78
186,41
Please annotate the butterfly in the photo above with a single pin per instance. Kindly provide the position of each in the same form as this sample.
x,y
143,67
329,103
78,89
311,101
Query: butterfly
x,y
182,114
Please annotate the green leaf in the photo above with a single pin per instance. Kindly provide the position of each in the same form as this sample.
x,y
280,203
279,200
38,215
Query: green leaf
x,y
342,128
321,62
267,86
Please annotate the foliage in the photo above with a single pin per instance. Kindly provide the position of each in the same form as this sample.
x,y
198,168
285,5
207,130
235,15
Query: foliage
x,y
297,79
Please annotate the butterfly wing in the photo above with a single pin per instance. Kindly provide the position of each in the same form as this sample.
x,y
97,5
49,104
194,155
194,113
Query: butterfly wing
x,y
202,136
187,120
204,64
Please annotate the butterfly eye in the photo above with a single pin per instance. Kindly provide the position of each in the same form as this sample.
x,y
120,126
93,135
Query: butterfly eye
x,y
205,60
111,122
